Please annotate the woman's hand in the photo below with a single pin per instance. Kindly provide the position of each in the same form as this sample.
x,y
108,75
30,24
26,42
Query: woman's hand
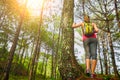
x,y
73,25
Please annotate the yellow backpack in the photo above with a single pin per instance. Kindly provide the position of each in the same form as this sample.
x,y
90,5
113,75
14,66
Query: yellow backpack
x,y
88,29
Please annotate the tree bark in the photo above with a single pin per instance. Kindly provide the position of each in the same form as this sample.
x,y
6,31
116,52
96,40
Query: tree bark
x,y
117,14
12,50
99,55
111,45
105,54
34,59
21,57
69,68
13,47
53,56
36,51
113,56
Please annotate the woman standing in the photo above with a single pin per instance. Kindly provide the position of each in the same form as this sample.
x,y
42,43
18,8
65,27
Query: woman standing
x,y
90,45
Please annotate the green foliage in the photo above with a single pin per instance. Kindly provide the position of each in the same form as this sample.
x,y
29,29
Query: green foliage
x,y
14,77
83,66
107,77
52,78
18,69
116,36
3,54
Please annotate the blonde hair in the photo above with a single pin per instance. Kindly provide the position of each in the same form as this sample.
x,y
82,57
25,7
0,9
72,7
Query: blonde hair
x,y
86,18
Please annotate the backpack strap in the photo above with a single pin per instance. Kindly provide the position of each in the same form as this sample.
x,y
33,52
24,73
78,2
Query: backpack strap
x,y
83,27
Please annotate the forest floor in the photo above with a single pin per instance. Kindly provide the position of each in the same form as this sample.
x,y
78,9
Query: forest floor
x,y
20,73
99,77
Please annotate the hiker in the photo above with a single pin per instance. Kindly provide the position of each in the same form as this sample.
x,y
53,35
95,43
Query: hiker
x,y
90,44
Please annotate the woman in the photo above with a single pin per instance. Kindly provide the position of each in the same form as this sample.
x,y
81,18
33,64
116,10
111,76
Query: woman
x,y
90,46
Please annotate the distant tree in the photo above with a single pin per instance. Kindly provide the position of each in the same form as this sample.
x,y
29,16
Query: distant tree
x,y
13,47
99,53
117,11
104,54
37,45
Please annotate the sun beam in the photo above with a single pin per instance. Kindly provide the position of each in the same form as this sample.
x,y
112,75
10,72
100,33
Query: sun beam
x,y
34,7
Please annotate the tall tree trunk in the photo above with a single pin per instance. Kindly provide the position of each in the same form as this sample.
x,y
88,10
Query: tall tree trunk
x,y
30,57
117,14
32,66
43,63
111,45
34,59
37,59
104,54
46,59
20,47
83,6
57,57
53,56
109,65
69,68
113,55
37,45
19,51
11,53
21,58
25,56
99,55
13,47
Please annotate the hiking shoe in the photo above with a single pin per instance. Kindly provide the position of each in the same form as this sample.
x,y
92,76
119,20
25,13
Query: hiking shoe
x,y
93,75
87,73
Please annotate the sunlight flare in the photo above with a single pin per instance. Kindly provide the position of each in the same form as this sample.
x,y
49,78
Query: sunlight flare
x,y
34,6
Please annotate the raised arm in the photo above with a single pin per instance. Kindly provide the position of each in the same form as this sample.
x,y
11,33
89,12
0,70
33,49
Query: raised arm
x,y
77,25
95,27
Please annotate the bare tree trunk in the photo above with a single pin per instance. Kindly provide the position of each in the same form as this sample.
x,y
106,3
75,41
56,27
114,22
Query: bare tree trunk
x,y
20,47
105,54
32,67
56,55
24,58
30,58
117,13
37,45
69,68
99,55
111,47
83,6
46,59
110,44
12,50
21,58
43,63
19,51
109,65
113,55
53,56
37,59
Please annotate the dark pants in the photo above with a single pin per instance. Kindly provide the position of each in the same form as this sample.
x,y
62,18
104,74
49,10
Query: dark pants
x,y
90,46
